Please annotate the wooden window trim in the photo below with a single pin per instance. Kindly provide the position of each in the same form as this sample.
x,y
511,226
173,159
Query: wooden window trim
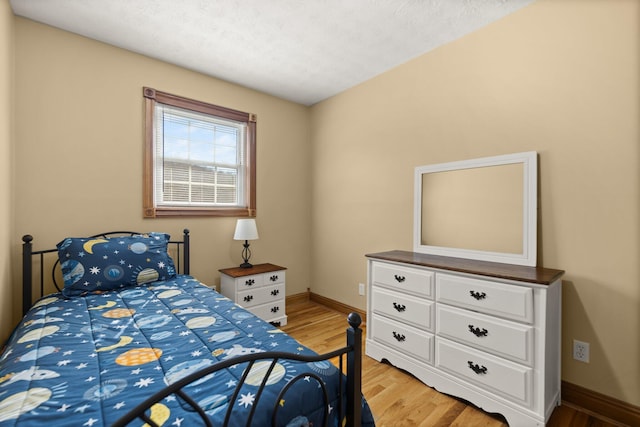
x,y
151,96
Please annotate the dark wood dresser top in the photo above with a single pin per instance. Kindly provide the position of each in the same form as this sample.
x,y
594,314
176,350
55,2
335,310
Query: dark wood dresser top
x,y
539,275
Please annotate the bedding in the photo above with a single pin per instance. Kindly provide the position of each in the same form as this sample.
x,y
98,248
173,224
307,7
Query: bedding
x,y
89,359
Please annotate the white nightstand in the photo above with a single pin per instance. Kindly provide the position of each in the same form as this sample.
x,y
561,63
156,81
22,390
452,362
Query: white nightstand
x,y
260,289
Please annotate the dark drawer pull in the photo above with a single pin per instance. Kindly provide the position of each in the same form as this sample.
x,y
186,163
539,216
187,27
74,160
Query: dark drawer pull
x,y
250,282
478,295
275,309
273,278
477,331
398,336
399,307
400,279
248,298
477,368
275,292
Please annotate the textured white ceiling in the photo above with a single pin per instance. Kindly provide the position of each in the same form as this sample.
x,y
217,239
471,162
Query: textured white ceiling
x,y
303,51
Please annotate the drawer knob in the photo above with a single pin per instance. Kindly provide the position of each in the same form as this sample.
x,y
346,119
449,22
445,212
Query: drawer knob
x,y
275,309
275,292
477,331
250,282
248,298
399,307
398,336
273,278
477,368
478,295
399,279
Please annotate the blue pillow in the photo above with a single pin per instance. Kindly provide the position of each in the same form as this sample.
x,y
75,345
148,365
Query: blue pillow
x,y
99,264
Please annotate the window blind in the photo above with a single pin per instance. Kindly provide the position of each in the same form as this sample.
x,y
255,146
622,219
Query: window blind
x,y
200,160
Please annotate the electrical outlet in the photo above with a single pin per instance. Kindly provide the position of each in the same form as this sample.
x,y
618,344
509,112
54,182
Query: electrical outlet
x,y
361,289
581,351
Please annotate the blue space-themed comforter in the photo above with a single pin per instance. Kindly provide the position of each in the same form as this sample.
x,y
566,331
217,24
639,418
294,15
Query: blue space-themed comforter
x,y
88,360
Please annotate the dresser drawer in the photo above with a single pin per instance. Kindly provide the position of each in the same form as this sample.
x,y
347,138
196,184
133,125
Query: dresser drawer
x,y
261,295
497,336
404,279
404,308
403,338
500,299
508,379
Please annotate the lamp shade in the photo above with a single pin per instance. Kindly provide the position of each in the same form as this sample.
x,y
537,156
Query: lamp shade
x,y
246,230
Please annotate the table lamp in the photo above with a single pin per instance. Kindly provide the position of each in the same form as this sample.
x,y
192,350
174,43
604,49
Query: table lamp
x,y
246,230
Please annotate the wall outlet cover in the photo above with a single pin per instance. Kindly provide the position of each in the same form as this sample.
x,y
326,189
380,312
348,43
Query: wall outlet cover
x,y
581,351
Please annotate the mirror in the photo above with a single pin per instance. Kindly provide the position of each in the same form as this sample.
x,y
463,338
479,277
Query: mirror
x,y
483,209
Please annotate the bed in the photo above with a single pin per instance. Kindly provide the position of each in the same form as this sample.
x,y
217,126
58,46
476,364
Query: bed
x,y
131,338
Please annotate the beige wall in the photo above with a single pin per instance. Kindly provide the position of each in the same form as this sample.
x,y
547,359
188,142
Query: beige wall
x,y
557,77
79,145
6,127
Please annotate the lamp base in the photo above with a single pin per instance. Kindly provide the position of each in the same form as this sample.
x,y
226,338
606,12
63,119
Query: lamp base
x,y
246,254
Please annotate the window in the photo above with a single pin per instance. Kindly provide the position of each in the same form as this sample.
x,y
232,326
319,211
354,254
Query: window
x,y
199,158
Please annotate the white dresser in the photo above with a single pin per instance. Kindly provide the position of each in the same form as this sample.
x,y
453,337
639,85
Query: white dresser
x,y
485,332
260,289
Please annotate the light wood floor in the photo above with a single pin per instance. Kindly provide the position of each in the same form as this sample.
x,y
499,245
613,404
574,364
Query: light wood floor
x,y
395,397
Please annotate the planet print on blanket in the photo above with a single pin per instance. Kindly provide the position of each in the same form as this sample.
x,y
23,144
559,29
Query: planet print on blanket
x,y
138,356
323,367
38,353
37,334
214,404
200,322
159,336
17,404
183,369
169,294
106,389
261,369
155,321
241,315
45,301
224,336
118,313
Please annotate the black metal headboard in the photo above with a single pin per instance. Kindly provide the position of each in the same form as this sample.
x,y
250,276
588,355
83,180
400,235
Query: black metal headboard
x,y
182,262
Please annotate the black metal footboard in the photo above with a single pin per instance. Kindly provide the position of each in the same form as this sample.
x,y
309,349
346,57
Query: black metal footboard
x,y
352,352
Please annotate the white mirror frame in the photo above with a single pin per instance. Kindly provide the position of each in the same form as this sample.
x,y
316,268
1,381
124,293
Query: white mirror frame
x,y
528,256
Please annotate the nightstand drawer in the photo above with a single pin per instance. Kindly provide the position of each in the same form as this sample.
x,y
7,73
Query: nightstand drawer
x,y
508,301
261,295
249,282
403,279
403,338
500,337
505,378
269,311
273,278
404,308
